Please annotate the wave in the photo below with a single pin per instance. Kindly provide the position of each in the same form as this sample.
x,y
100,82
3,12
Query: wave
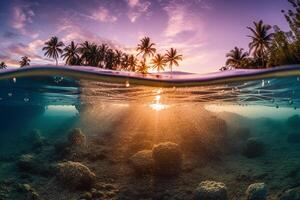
x,y
178,79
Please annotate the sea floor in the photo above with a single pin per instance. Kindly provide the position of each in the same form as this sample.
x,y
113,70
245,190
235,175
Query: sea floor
x,y
213,147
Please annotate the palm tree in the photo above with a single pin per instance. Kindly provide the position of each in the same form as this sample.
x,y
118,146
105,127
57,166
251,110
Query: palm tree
x,y
236,57
92,55
125,61
53,48
159,62
172,58
83,49
143,68
146,48
71,54
102,53
261,39
3,65
118,58
25,61
110,59
133,62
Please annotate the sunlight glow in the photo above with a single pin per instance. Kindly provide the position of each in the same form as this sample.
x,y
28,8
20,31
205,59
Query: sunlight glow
x,y
157,106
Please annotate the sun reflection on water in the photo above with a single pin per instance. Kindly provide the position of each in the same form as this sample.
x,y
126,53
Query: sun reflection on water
x,y
157,105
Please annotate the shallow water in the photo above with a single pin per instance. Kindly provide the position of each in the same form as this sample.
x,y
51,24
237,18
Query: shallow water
x,y
212,126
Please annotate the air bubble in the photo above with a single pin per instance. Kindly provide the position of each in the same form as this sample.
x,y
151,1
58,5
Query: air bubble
x,y
9,94
26,99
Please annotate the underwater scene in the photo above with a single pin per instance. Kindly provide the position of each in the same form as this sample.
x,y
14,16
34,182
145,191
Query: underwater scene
x,y
70,138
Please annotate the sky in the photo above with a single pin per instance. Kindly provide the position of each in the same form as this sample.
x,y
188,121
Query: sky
x,y
203,31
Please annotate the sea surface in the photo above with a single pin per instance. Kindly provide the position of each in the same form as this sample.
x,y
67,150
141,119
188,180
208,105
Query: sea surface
x,y
238,128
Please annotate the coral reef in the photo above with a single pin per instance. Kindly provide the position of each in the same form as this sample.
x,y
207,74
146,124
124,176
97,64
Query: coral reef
x,y
211,190
254,147
76,138
142,161
291,194
257,191
75,175
167,158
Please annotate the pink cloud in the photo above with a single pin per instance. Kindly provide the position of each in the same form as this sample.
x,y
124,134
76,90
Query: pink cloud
x,y
137,8
102,14
21,17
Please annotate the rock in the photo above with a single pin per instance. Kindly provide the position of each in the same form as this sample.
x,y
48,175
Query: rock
x,y
75,175
76,138
35,137
211,190
291,194
29,163
242,134
87,196
257,191
167,158
30,192
293,138
142,161
294,121
26,162
97,194
253,148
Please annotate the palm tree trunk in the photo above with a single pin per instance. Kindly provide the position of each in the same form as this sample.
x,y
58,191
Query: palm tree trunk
x,y
56,61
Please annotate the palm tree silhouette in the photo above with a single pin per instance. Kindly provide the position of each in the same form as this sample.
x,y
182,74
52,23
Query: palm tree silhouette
x,y
25,61
172,58
118,58
261,39
92,55
71,54
3,65
143,68
110,59
125,61
159,62
53,48
102,53
133,62
236,57
146,48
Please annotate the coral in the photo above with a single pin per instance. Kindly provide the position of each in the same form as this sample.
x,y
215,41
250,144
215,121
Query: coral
x,y
167,158
35,137
75,175
253,148
257,191
142,161
76,138
291,194
211,190
30,192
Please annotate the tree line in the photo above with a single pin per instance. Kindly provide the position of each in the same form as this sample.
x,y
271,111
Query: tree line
x,y
102,56
269,46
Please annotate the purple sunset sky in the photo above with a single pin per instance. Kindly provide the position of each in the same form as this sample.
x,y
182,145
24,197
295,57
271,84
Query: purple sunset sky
x,y
202,30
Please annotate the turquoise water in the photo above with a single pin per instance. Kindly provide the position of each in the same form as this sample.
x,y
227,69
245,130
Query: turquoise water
x,y
212,125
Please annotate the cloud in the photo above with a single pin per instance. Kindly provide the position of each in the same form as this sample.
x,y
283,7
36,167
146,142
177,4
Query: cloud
x,y
137,8
10,35
13,52
72,31
102,14
180,19
21,17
